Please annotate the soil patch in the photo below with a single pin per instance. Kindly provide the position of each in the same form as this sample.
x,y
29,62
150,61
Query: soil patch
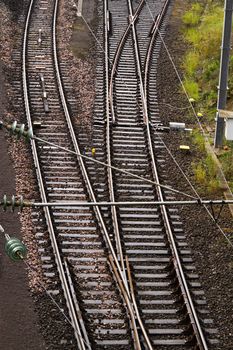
x,y
82,39
18,322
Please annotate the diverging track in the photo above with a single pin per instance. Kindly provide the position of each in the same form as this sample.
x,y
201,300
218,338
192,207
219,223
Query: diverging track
x,y
167,292
126,276
79,252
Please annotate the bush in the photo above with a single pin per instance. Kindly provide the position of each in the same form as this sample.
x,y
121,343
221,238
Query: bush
x,y
213,185
203,31
193,16
199,173
211,166
227,161
191,63
192,36
198,140
192,88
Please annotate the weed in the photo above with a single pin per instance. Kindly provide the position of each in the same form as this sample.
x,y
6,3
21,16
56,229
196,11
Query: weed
x,y
198,140
192,88
193,17
191,63
199,173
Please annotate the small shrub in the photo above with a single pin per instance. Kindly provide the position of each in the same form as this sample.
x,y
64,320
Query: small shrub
x,y
199,173
211,70
191,63
227,161
192,88
192,36
193,16
211,166
198,140
213,185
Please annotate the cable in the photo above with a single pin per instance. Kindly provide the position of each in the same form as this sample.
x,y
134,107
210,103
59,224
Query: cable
x,y
177,73
143,98
111,166
173,107
193,188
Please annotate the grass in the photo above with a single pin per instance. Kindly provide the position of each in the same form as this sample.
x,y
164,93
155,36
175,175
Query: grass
x,y
193,16
226,159
203,31
198,140
205,169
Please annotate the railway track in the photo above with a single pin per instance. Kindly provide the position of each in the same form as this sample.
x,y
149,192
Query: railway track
x,y
127,279
74,234
166,283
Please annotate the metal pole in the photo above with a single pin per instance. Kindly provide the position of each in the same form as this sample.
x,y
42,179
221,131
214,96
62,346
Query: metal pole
x,y
223,76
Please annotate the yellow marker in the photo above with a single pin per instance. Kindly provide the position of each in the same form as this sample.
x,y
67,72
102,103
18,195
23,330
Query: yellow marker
x,y
184,148
199,114
93,152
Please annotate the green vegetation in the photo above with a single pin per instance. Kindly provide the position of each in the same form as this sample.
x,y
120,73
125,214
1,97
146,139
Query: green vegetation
x,y
198,140
205,170
227,164
203,32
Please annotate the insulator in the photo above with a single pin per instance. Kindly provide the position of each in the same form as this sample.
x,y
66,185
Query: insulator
x,y
13,127
4,203
15,249
13,203
19,130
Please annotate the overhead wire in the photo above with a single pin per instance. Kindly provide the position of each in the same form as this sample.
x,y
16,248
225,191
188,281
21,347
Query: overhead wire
x,y
111,166
143,98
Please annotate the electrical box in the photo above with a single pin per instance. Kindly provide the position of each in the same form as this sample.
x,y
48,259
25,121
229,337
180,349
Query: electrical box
x,y
177,126
228,117
229,129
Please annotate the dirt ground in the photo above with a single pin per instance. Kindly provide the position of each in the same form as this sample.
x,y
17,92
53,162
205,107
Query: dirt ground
x,y
18,322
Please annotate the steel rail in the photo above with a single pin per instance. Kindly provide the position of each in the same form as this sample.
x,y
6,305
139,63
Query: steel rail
x,y
117,56
58,260
176,258
138,60
129,306
108,143
126,296
137,345
83,170
132,19
154,32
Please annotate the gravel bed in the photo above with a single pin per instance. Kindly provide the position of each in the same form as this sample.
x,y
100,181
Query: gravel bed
x,y
73,33
18,319
49,319
211,251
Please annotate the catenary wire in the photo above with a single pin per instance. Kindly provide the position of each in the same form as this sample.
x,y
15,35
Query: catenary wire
x,y
111,166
